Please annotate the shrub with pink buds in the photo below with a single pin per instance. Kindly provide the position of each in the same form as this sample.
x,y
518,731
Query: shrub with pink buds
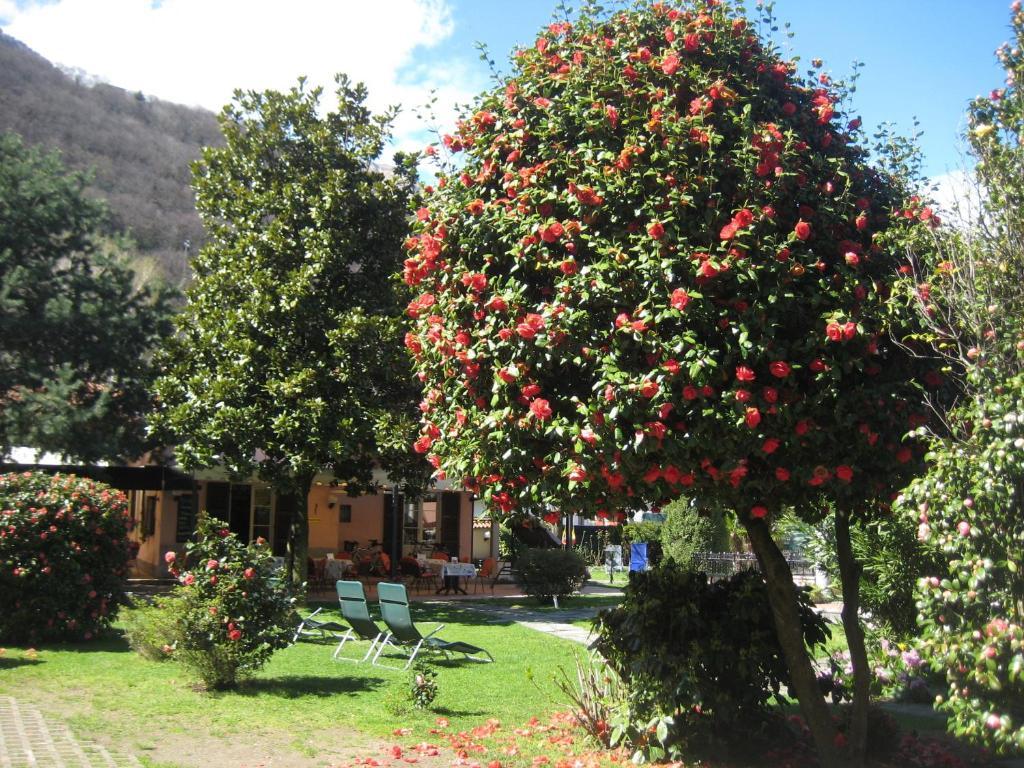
x,y
232,612
64,555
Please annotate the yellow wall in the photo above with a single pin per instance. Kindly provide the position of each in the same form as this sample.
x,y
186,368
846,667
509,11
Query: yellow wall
x,y
326,533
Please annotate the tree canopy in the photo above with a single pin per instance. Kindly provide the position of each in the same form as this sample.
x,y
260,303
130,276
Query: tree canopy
x,y
76,336
664,265
288,359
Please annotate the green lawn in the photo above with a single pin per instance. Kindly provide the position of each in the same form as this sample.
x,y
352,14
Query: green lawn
x,y
105,688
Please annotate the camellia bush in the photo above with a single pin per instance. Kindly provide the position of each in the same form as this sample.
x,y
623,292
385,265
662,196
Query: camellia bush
x,y
232,611
660,264
971,503
64,554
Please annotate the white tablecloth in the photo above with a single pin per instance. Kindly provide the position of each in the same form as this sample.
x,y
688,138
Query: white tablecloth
x,y
336,569
458,569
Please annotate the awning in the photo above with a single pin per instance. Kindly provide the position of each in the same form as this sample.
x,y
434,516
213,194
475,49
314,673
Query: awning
x,y
148,478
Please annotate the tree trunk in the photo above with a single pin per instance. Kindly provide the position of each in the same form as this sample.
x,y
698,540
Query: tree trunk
x,y
849,571
298,532
785,610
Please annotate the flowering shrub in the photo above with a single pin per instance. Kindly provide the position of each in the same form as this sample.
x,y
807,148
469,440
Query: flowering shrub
x,y
423,686
897,672
64,553
234,612
971,503
700,660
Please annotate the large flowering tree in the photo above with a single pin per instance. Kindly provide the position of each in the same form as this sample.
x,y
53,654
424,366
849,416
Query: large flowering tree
x,y
663,267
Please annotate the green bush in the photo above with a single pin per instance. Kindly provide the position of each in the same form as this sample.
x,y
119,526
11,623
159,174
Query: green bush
x,y
234,612
64,554
548,573
700,660
151,629
689,530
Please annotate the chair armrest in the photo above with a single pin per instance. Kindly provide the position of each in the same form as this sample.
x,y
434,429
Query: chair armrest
x,y
434,631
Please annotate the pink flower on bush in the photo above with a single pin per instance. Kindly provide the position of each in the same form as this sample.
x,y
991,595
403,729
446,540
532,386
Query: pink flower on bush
x,y
679,299
541,409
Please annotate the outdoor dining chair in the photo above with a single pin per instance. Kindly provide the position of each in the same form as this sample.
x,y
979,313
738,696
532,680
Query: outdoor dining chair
x,y
404,636
487,573
352,598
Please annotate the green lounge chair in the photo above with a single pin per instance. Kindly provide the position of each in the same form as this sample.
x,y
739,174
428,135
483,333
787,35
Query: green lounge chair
x,y
403,634
352,598
310,626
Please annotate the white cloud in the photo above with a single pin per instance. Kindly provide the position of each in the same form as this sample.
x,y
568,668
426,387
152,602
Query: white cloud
x,y
197,52
7,11
957,196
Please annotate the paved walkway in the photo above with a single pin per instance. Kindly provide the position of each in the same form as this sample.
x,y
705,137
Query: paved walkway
x,y
550,622
30,739
553,622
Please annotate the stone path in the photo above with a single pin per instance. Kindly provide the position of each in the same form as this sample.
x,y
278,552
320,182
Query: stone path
x,y
550,622
30,739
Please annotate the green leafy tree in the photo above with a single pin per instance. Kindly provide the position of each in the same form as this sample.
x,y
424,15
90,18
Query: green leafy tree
x,y
75,334
288,360
663,268
971,503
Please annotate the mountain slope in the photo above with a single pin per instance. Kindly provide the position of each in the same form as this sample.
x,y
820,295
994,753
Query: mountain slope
x,y
139,148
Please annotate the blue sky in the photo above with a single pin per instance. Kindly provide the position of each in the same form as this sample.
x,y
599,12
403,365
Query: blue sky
x,y
922,58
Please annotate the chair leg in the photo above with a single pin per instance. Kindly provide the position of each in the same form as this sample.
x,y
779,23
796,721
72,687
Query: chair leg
x,y
412,656
380,649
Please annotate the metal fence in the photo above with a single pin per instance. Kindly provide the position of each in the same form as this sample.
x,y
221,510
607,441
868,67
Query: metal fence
x,y
721,565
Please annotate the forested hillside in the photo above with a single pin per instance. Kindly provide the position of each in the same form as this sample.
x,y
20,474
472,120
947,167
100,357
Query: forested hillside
x,y
138,147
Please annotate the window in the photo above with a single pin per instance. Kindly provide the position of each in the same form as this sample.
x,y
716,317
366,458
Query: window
x,y
149,517
262,513
344,513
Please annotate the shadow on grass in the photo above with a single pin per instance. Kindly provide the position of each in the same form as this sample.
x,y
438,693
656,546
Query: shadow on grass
x,y
448,712
423,613
299,686
6,663
113,642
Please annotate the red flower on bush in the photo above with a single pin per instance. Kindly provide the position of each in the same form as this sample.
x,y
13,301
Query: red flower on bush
x,y
679,299
541,409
